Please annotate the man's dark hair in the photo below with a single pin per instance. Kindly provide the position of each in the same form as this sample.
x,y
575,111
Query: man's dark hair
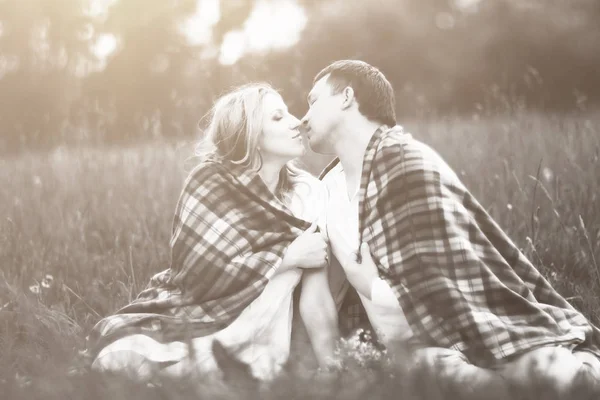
x,y
374,93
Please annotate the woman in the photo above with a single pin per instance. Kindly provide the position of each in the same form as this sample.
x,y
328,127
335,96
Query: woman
x,y
244,236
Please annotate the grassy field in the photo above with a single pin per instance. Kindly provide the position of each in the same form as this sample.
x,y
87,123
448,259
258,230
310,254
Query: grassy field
x,y
82,230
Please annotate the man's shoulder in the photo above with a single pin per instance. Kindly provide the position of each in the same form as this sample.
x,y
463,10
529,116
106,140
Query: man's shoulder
x,y
397,137
399,140
400,152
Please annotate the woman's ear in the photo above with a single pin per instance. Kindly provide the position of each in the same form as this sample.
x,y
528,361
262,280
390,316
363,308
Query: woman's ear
x,y
348,97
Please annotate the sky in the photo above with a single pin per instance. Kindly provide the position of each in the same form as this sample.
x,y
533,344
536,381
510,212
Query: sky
x,y
272,24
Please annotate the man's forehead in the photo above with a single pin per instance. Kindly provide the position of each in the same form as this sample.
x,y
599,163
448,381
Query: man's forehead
x,y
320,86
322,83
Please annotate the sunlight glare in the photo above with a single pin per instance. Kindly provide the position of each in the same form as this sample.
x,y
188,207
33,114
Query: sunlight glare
x,y
232,48
198,27
467,5
271,25
105,45
98,8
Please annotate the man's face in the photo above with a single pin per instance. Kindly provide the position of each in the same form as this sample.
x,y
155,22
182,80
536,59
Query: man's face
x,y
321,120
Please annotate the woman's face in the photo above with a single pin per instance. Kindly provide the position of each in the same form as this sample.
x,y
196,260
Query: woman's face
x,y
280,138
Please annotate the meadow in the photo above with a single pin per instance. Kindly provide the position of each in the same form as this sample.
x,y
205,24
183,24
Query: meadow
x,y
82,230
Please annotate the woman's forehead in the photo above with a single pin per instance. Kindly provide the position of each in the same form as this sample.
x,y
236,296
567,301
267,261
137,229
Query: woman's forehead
x,y
273,101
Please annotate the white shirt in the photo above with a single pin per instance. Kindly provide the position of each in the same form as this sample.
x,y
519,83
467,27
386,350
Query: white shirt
x,y
384,311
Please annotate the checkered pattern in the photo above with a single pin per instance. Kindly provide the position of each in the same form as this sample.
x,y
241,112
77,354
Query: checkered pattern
x,y
460,280
229,236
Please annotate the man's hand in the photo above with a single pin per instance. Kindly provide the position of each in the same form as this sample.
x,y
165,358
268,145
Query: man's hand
x,y
360,275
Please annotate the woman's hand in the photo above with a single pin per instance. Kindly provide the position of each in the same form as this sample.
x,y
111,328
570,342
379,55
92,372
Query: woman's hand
x,y
309,250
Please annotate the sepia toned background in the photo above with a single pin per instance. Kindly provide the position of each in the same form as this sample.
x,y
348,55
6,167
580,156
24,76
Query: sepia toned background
x,y
102,101
107,71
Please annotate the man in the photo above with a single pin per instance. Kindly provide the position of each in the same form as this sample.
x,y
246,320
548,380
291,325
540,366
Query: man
x,y
433,267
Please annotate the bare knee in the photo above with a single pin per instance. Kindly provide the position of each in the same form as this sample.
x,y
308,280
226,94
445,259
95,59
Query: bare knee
x,y
449,372
552,367
124,363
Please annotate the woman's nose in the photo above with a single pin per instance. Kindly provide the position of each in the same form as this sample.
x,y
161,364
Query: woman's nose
x,y
294,123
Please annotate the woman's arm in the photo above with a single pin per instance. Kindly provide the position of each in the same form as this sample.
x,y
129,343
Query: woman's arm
x,y
319,314
317,307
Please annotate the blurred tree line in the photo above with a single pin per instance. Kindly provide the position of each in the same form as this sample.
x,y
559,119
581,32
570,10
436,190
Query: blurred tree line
x,y
442,56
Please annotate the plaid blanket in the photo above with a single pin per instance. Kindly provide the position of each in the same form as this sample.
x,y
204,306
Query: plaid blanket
x,y
229,236
460,280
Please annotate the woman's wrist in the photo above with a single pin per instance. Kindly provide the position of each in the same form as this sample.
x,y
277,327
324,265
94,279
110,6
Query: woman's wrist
x,y
288,262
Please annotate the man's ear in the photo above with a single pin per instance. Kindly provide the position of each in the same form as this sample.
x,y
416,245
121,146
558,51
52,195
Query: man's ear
x,y
348,97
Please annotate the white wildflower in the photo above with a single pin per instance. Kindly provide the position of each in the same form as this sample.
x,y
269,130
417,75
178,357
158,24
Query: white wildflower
x,y
547,174
22,380
47,281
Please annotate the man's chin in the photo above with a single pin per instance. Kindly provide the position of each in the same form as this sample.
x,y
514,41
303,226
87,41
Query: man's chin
x,y
317,147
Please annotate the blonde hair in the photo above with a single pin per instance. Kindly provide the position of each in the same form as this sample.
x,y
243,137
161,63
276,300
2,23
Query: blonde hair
x,y
232,135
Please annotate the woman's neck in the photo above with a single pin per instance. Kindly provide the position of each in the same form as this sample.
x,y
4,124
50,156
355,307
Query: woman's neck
x,y
269,172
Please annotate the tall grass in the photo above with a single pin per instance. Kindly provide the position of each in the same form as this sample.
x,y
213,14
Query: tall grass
x,y
83,229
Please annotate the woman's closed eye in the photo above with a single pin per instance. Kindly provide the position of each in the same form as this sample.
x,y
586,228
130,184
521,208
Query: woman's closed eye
x,y
278,116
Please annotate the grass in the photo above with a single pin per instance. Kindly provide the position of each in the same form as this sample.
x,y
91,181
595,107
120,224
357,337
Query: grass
x,y
83,229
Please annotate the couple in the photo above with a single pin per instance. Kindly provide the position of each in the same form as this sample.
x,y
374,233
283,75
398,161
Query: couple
x,y
388,220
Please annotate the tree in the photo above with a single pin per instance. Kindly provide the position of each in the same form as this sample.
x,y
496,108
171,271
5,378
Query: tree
x,y
43,47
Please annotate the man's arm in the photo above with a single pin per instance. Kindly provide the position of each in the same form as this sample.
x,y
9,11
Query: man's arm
x,y
364,277
382,294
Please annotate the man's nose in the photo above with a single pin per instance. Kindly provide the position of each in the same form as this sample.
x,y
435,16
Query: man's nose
x,y
304,123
